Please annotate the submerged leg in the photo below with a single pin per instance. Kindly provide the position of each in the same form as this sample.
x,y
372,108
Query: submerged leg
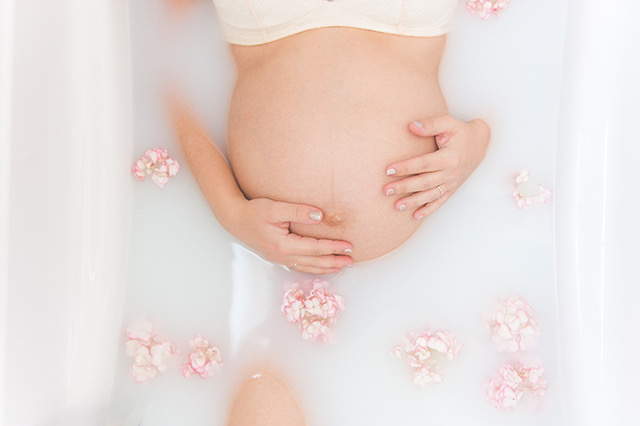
x,y
265,400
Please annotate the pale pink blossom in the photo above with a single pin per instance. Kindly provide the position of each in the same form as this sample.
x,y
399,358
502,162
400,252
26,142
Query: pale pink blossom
x,y
150,351
513,325
533,374
204,360
141,332
486,8
293,305
157,164
425,376
422,349
315,330
524,196
506,389
316,312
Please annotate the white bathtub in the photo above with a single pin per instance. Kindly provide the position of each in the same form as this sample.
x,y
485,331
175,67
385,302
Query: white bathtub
x,y
84,249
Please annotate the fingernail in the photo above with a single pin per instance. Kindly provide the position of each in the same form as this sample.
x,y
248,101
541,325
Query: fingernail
x,y
418,124
420,217
348,265
391,172
348,250
316,215
390,191
402,207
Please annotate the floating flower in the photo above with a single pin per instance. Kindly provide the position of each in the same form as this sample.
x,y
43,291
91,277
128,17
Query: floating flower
x,y
421,350
156,163
525,198
506,389
486,8
293,305
513,325
316,312
204,360
150,352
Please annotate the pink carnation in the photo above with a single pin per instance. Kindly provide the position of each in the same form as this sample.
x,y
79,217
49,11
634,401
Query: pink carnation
x,y
156,163
421,350
316,312
506,389
204,360
486,8
513,325
150,352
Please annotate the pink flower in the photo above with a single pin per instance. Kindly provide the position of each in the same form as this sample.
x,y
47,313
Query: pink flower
x,y
421,350
323,303
204,359
156,163
141,332
504,396
150,351
316,312
533,374
293,305
513,325
425,376
525,197
506,389
486,8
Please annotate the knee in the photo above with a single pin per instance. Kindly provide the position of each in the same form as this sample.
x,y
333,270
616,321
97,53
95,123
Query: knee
x,y
265,400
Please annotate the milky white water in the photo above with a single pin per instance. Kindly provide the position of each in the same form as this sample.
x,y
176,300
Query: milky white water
x,y
189,276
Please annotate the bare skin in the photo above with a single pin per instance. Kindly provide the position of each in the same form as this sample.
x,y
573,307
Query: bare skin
x,y
317,117
317,120
264,400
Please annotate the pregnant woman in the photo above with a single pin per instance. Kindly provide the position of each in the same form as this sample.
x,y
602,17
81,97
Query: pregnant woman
x,y
338,137
327,165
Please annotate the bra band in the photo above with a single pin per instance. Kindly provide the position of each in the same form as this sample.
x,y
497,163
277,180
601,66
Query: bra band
x,y
253,22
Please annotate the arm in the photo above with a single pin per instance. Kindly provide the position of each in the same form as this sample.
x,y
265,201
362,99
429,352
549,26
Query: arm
x,y
430,179
260,223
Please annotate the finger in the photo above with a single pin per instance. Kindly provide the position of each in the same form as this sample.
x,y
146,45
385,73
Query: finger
x,y
298,213
329,264
323,262
433,126
430,162
419,199
416,183
431,207
308,246
315,270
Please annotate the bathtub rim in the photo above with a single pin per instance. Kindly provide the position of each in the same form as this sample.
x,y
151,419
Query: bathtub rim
x,y
6,78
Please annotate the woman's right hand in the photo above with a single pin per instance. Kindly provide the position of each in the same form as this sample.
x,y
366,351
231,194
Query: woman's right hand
x,y
263,225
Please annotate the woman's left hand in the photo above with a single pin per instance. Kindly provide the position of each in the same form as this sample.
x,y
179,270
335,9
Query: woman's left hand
x,y
428,180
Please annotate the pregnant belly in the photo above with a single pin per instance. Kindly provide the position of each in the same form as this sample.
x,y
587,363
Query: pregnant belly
x,y
325,137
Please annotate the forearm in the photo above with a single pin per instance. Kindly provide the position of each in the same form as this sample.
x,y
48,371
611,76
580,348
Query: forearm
x,y
209,167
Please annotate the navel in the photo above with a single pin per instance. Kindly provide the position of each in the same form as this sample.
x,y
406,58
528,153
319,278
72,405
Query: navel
x,y
334,219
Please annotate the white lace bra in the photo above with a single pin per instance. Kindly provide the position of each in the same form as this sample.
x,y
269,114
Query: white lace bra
x,y
252,22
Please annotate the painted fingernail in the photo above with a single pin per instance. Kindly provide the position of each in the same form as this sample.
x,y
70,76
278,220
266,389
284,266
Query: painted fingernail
x,y
420,217
348,265
316,215
402,207
348,250
390,191
418,124
391,172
